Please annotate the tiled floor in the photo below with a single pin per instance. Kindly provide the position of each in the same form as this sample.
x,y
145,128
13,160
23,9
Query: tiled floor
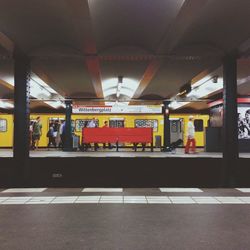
x,y
120,199
181,190
24,190
244,190
133,218
102,190
17,196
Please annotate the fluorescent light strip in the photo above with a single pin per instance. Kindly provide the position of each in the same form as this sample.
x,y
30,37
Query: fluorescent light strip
x,y
41,90
6,105
200,89
112,87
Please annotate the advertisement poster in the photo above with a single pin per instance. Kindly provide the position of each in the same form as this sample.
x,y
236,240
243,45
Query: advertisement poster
x,y
244,122
216,116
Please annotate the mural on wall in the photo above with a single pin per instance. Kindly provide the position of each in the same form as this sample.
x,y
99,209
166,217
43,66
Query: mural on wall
x,y
244,122
216,119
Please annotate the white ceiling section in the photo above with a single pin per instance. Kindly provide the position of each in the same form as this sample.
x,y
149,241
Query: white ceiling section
x,y
79,48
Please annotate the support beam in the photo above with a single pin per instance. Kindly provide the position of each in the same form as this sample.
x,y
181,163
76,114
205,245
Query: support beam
x,y
93,66
188,14
21,116
6,43
68,130
82,27
40,70
148,75
166,124
230,124
6,84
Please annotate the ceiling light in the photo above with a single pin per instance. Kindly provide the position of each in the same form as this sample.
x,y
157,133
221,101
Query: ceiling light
x,y
127,87
119,86
55,104
41,90
6,105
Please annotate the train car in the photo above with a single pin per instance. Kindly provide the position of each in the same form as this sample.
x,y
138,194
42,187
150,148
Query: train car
x,y
178,125
6,130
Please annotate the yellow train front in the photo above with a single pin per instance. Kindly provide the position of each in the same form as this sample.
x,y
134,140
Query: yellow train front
x,y
178,125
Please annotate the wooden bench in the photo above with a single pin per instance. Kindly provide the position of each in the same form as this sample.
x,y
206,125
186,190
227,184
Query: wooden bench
x,y
118,135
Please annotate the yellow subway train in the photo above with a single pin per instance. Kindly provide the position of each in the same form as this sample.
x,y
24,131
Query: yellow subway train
x,y
178,125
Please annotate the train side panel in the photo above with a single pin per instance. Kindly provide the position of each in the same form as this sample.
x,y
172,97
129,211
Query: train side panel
x,y
6,131
6,137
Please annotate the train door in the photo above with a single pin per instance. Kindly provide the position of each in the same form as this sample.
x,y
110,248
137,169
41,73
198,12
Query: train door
x,y
116,122
176,129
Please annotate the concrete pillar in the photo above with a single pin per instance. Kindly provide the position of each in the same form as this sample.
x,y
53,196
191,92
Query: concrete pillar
x,y
21,116
68,129
166,124
230,124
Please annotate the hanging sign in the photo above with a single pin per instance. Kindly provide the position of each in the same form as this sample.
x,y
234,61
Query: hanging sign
x,y
130,109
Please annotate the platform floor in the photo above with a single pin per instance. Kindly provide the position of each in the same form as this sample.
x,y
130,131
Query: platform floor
x,y
122,153
136,219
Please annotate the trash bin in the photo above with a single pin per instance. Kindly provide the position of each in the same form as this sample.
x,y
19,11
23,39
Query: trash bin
x,y
75,142
157,141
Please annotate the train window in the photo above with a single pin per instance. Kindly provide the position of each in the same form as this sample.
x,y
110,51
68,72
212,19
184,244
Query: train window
x,y
198,125
81,123
147,123
174,126
3,125
58,121
116,123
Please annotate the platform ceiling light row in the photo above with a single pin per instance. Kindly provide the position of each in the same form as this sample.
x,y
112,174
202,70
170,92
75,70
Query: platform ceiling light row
x,y
39,90
202,88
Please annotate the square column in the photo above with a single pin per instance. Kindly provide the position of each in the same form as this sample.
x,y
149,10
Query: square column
x,y
68,128
166,124
21,116
230,123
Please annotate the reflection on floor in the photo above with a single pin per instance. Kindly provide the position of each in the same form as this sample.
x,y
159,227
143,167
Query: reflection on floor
x,y
122,153
112,153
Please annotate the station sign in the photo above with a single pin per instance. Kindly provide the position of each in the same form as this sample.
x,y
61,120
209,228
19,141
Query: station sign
x,y
130,109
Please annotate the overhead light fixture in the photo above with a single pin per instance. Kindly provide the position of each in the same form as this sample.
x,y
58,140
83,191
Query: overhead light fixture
x,y
127,87
202,88
6,105
56,104
41,90
119,86
185,89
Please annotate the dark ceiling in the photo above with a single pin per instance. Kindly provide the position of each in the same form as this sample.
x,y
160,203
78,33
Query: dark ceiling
x,y
76,45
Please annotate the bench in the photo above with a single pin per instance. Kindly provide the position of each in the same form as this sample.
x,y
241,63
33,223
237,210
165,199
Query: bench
x,y
118,135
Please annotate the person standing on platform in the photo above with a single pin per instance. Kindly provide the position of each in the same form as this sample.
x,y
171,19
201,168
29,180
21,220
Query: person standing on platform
x,y
106,126
190,136
50,135
31,134
62,133
58,135
92,124
37,132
